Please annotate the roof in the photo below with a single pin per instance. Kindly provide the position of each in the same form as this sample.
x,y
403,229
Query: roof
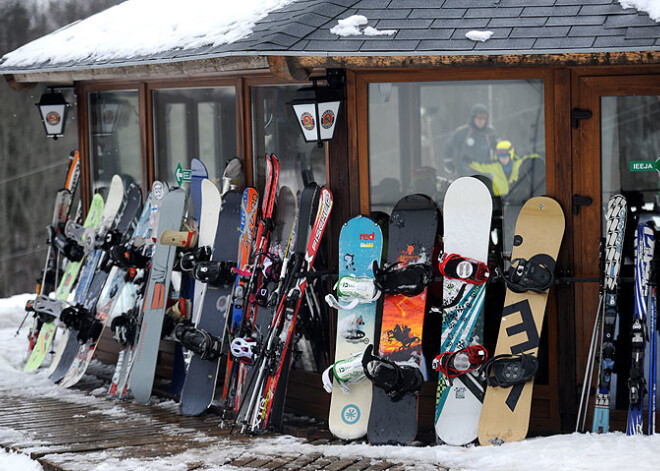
x,y
420,28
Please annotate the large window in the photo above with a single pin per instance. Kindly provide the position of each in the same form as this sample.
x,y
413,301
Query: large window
x,y
275,130
424,135
194,123
114,136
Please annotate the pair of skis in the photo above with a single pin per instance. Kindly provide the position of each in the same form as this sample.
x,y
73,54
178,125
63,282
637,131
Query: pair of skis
x,y
643,330
263,386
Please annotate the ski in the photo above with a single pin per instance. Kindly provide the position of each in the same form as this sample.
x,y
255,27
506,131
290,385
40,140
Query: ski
x,y
615,231
644,247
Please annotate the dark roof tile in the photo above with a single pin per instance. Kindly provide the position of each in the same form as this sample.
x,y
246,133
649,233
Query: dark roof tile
x,y
498,33
374,45
493,12
551,11
433,13
504,44
407,24
450,45
530,21
334,46
622,42
438,33
575,20
548,31
630,20
378,14
460,23
563,43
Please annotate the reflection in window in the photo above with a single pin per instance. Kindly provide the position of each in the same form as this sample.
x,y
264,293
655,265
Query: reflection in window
x,y
194,123
630,131
424,135
114,140
275,130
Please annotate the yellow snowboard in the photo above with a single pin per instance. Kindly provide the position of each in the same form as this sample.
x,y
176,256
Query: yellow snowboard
x,y
506,410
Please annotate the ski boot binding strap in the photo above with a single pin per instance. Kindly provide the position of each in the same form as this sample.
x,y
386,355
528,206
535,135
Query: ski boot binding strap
x,y
355,290
455,267
396,379
460,362
535,274
408,280
507,370
344,373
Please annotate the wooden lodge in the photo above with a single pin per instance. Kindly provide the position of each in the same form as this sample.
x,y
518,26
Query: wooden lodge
x,y
573,85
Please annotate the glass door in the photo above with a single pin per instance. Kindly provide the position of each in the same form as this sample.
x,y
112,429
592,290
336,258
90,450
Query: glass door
x,y
616,153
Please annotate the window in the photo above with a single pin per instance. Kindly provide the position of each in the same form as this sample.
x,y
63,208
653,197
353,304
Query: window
x,y
114,137
424,135
194,123
275,130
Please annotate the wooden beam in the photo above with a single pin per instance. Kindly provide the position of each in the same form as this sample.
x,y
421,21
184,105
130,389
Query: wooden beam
x,y
287,69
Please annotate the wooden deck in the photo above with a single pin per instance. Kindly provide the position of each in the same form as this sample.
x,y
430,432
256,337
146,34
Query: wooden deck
x,y
72,432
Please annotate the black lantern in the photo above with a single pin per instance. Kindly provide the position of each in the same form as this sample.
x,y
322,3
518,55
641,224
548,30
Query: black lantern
x,y
317,107
53,107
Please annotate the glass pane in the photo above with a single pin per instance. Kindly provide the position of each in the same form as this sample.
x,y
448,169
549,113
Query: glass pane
x,y
114,137
194,123
424,135
630,133
275,130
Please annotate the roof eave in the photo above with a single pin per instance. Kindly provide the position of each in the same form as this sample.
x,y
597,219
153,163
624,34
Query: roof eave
x,y
295,65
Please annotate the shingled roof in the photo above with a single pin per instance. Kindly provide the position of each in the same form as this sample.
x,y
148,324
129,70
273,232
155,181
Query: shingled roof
x,y
422,28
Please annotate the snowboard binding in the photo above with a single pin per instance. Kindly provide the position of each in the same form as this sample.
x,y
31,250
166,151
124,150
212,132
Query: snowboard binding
x,y
396,379
65,245
507,370
460,362
244,349
214,273
198,341
355,290
344,373
83,322
408,280
535,274
191,258
456,267
124,327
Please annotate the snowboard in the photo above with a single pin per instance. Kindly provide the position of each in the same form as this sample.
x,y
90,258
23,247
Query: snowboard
x,y
68,345
199,386
360,245
466,215
412,233
47,331
506,410
112,280
143,369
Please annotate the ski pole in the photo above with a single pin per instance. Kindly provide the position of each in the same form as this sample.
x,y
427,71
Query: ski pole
x,y
588,371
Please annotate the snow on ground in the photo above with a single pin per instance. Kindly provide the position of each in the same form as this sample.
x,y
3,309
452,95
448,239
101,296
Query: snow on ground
x,y
10,461
122,31
577,452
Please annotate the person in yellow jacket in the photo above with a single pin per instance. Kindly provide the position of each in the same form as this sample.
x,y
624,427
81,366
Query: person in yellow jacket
x,y
504,171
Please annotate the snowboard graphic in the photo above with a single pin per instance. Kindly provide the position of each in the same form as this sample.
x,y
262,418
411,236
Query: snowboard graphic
x,y
412,232
360,244
467,212
506,410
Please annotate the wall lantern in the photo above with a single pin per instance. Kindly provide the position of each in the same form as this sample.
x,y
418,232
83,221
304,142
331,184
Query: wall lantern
x,y
317,107
53,107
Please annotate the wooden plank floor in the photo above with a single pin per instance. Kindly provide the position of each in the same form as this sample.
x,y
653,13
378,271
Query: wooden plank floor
x,y
66,434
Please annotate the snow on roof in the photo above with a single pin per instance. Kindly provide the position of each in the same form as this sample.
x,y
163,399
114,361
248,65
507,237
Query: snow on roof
x,y
141,27
652,7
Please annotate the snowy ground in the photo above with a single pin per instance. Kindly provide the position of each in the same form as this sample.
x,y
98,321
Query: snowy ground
x,y
576,452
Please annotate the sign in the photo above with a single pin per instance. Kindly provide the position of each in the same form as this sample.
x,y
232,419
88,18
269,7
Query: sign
x,y
182,175
645,165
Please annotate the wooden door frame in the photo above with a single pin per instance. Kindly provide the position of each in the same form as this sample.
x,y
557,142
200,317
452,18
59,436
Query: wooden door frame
x,y
560,332
587,181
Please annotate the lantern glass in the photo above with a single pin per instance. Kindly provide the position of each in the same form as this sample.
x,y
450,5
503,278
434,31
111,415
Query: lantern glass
x,y
53,107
